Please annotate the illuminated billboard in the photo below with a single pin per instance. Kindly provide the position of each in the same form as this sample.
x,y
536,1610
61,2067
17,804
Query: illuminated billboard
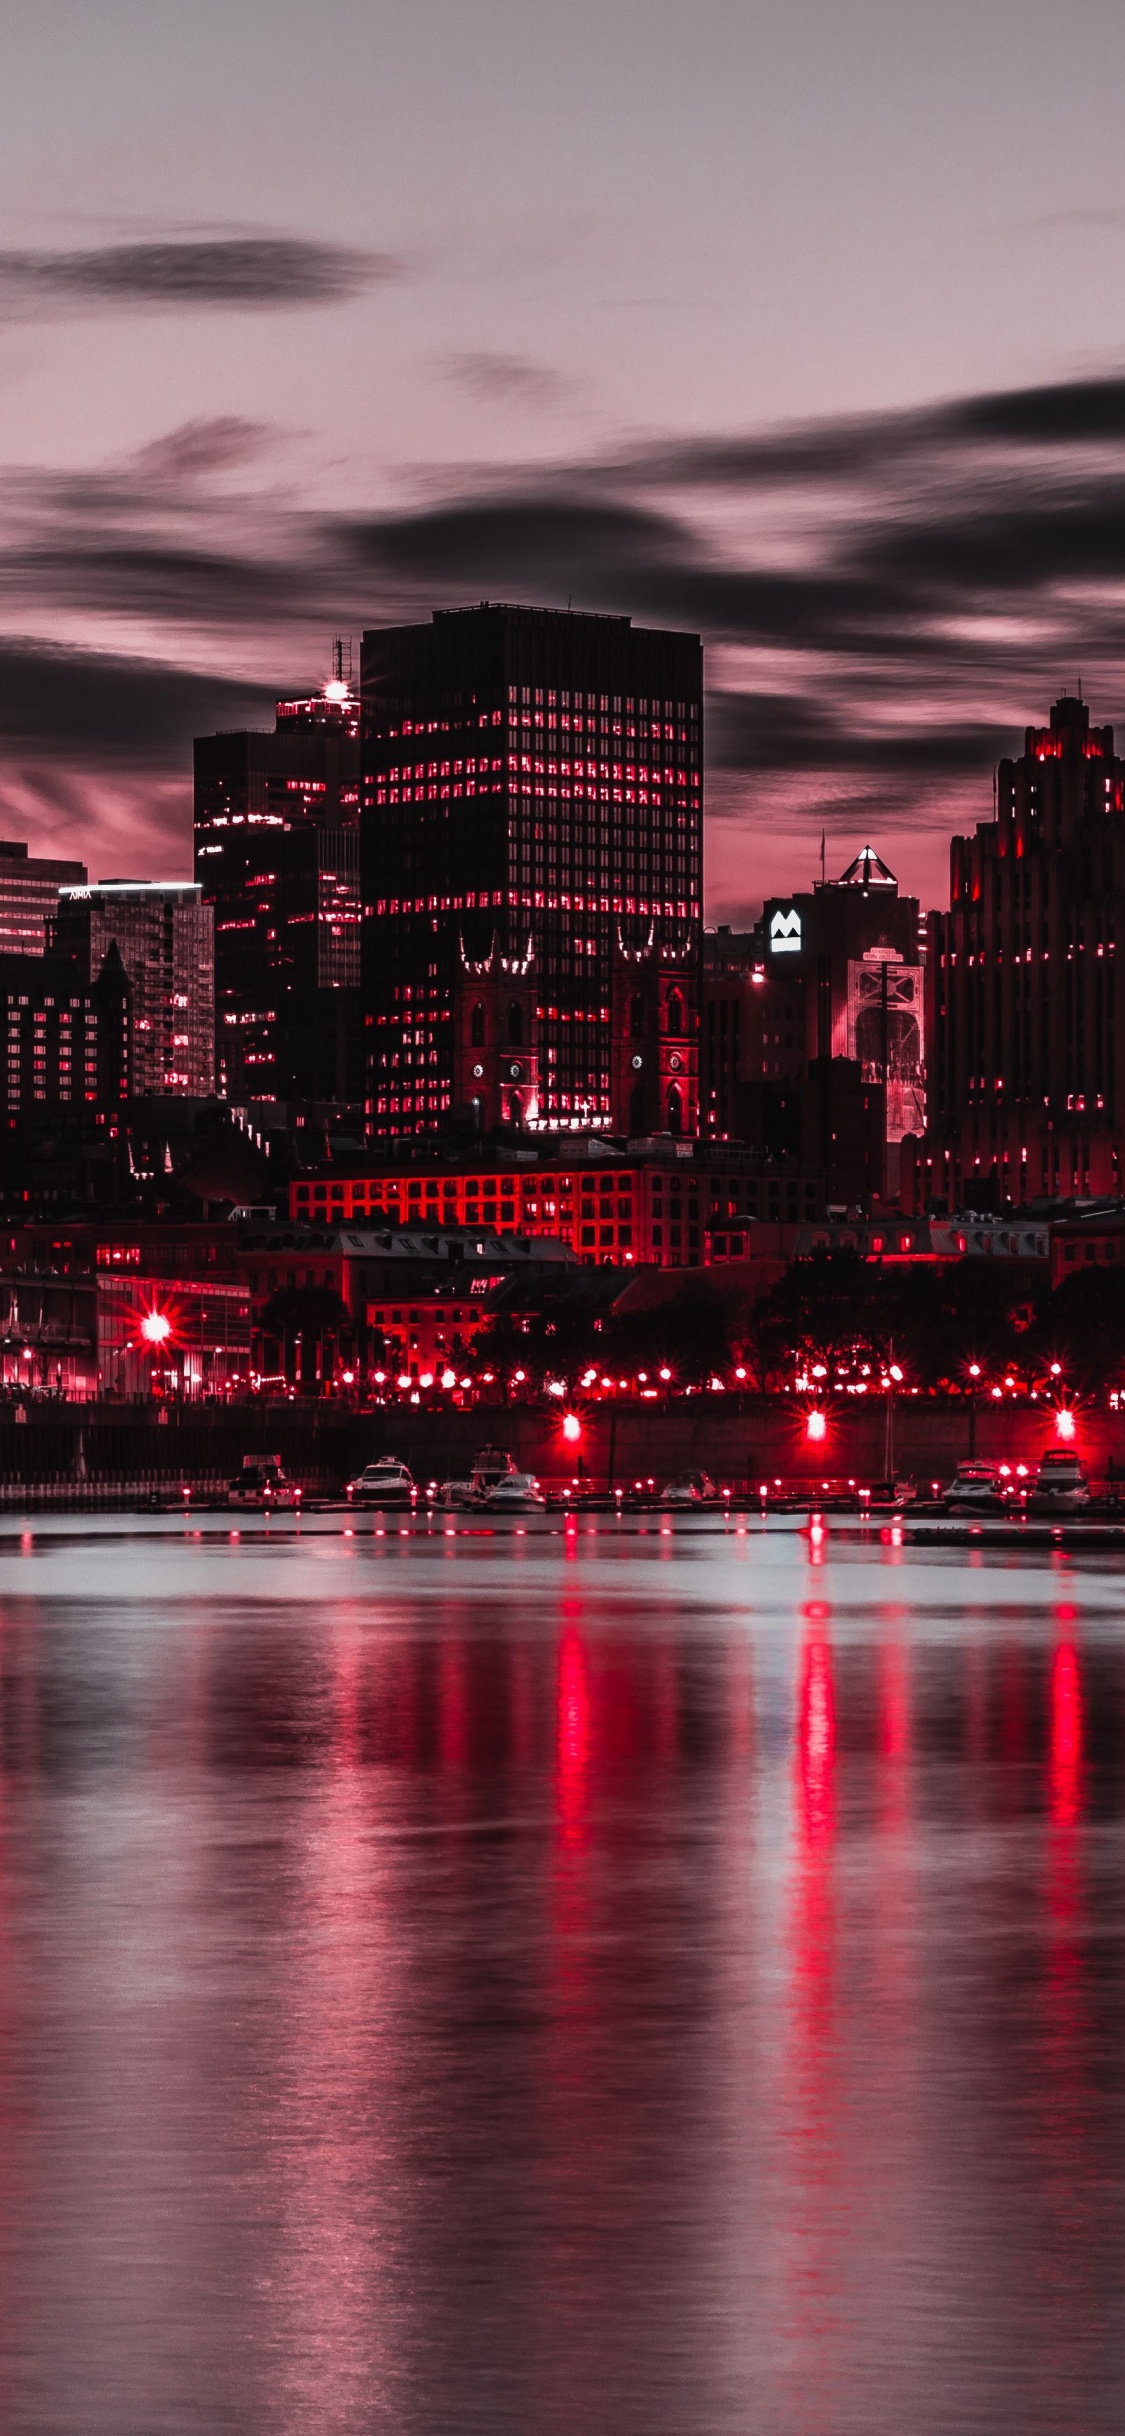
x,y
785,932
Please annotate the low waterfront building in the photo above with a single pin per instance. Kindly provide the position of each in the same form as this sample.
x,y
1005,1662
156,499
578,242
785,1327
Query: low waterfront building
x,y
643,1203
128,1338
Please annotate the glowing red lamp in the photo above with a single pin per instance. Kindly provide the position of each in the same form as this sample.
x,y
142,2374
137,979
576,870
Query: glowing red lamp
x,y
1064,1422
816,1428
156,1327
571,1428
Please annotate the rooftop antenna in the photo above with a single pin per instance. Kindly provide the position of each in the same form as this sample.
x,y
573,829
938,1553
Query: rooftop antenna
x,y
822,842
338,659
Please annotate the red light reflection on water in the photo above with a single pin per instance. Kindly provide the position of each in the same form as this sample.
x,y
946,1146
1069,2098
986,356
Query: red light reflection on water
x,y
572,1757
1071,2166
816,1728
894,1727
1064,1784
810,2095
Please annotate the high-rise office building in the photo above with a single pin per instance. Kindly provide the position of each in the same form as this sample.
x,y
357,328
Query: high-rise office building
x,y
52,1047
830,977
29,897
277,855
532,814
1026,1093
164,936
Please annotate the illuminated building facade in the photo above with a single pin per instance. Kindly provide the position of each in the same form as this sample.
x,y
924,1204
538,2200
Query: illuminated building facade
x,y
52,1047
29,897
830,978
171,1337
660,1206
277,855
163,934
1026,992
532,798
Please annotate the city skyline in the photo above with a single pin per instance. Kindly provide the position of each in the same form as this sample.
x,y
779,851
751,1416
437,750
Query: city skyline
x,y
781,331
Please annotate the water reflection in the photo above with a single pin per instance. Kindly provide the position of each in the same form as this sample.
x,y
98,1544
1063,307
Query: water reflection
x,y
674,1988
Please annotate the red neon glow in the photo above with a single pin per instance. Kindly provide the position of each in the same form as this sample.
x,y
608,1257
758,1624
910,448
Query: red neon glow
x,y
573,1746
571,1428
816,1428
816,1730
156,1327
1064,1422
1065,1782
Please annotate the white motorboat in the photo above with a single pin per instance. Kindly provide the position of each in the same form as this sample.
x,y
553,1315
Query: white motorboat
x,y
1060,1483
976,1488
690,1489
516,1493
490,1467
386,1483
262,1485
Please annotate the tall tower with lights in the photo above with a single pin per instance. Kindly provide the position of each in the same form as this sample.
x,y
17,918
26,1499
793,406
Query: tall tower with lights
x,y
277,855
1026,1085
532,806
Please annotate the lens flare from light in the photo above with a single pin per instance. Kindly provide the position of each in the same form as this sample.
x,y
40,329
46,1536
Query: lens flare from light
x,y
156,1327
1064,1423
816,1428
571,1428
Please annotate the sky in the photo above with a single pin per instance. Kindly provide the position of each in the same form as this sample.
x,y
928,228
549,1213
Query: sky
x,y
797,325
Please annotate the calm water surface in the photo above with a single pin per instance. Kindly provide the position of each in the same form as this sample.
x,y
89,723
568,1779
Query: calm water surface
x,y
663,1984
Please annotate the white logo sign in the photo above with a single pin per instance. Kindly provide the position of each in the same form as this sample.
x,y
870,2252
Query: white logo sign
x,y
785,933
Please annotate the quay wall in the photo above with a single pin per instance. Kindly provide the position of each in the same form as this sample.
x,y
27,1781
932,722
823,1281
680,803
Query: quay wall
x,y
744,1440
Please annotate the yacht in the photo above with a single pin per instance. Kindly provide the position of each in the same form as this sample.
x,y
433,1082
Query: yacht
x,y
690,1489
516,1493
1060,1483
489,1468
386,1483
262,1484
976,1488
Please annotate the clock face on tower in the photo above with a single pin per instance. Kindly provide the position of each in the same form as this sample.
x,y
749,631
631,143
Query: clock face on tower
x,y
637,1063
675,1062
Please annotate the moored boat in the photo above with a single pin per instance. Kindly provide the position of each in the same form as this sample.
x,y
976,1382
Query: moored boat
x,y
976,1488
388,1484
262,1485
1060,1484
690,1489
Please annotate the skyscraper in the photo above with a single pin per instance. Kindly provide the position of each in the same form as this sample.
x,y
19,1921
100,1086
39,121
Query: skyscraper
x,y
532,806
277,855
164,935
834,973
51,1023
29,897
1027,996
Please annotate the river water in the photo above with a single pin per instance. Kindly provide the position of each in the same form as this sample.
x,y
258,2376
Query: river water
x,y
666,1982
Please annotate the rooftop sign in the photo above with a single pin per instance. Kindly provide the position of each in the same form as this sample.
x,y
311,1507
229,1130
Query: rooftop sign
x,y
785,933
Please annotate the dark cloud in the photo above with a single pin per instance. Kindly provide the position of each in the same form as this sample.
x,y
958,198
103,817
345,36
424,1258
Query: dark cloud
x,y
208,445
109,712
887,601
507,378
1016,542
153,581
798,733
243,273
1062,413
540,536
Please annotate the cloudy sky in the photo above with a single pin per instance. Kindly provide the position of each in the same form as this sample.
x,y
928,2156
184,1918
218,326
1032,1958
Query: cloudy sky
x,y
799,324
